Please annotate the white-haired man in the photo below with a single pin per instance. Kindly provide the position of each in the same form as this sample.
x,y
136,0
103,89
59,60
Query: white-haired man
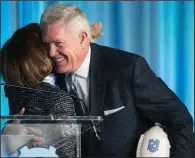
x,y
117,85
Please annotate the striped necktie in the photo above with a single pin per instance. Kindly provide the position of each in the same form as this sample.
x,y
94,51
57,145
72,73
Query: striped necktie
x,y
72,82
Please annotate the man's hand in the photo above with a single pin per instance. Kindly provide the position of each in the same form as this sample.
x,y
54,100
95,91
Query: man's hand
x,y
95,32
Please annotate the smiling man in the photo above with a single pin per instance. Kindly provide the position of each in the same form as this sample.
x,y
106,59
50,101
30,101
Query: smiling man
x,y
113,80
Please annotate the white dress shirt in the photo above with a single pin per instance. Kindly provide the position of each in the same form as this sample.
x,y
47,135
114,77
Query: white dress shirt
x,y
50,79
82,79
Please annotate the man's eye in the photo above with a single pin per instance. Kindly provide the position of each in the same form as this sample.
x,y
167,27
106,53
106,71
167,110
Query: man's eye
x,y
59,44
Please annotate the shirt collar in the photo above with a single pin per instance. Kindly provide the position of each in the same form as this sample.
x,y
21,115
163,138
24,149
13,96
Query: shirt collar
x,y
83,70
50,79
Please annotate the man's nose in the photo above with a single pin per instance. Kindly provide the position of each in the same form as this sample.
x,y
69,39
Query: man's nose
x,y
52,50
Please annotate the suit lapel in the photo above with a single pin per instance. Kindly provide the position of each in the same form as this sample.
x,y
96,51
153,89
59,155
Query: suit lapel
x,y
97,83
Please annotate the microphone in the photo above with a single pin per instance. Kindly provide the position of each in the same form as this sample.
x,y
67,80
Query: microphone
x,y
83,105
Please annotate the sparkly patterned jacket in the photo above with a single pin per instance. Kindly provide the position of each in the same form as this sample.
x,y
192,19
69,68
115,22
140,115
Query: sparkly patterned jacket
x,y
44,99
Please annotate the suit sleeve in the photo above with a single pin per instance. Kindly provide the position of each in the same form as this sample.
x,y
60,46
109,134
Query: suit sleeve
x,y
157,102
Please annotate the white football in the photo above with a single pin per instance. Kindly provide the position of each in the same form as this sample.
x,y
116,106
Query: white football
x,y
153,143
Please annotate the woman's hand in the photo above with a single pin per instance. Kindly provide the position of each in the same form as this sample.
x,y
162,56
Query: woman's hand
x,y
95,32
15,128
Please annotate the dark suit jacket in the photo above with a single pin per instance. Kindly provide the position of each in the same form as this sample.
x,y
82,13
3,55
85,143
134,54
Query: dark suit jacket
x,y
119,78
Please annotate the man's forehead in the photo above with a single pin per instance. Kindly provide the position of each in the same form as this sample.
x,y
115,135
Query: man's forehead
x,y
51,39
50,35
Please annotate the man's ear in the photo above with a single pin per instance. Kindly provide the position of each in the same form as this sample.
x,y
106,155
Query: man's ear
x,y
83,37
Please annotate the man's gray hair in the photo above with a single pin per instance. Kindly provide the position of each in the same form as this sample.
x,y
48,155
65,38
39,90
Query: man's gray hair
x,y
73,17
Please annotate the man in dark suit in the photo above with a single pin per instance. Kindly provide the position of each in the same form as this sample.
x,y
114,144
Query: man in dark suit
x,y
117,85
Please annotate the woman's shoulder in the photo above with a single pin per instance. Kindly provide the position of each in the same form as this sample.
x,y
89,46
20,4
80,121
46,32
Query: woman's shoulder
x,y
50,91
16,91
47,87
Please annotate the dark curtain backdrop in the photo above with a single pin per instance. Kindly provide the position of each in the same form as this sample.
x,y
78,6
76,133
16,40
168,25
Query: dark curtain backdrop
x,y
162,32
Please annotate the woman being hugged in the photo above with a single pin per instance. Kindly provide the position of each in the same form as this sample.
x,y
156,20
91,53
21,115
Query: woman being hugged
x,y
26,65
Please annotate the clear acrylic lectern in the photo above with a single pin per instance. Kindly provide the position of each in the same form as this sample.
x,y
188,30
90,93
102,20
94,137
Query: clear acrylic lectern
x,y
17,140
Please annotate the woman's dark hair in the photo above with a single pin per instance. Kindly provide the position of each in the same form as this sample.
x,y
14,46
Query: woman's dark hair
x,y
23,59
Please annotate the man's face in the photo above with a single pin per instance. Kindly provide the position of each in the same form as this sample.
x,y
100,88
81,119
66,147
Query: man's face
x,y
65,49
